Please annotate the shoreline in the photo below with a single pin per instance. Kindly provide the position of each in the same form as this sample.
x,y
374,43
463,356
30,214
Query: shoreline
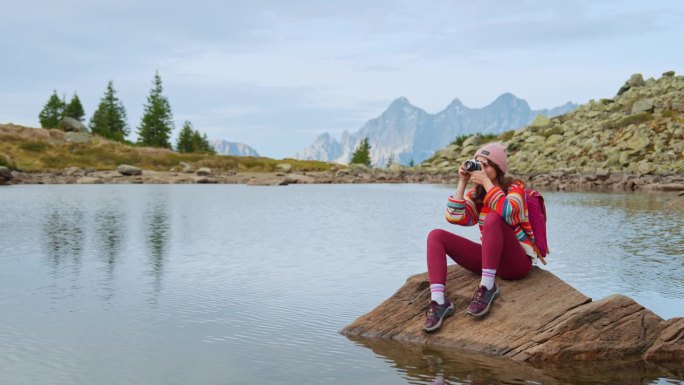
x,y
555,181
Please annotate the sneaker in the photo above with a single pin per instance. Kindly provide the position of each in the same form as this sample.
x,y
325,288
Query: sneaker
x,y
435,314
482,300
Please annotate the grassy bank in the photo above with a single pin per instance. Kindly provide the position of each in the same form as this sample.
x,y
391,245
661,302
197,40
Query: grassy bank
x,y
44,150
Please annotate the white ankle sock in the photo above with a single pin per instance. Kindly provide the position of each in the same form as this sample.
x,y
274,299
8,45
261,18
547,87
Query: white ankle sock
x,y
437,293
487,279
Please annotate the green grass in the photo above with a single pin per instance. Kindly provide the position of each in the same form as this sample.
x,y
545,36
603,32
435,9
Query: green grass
x,y
34,146
460,139
25,149
556,130
627,120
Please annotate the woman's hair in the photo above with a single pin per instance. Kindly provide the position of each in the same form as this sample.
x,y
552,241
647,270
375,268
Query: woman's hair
x,y
501,178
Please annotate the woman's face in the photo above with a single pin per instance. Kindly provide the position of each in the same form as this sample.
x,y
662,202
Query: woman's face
x,y
487,167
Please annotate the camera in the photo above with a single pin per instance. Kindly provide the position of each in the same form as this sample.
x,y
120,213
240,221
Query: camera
x,y
472,165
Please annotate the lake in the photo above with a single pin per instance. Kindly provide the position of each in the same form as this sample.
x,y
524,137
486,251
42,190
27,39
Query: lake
x,y
232,284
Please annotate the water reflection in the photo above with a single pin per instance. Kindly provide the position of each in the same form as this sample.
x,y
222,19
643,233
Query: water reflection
x,y
419,364
634,240
109,234
156,221
63,236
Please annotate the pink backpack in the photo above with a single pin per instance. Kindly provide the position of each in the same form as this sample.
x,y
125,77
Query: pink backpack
x,y
536,211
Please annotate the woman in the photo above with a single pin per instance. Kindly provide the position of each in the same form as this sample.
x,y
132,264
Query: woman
x,y
498,205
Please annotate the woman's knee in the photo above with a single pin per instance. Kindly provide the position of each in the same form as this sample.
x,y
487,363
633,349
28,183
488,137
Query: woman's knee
x,y
493,219
436,235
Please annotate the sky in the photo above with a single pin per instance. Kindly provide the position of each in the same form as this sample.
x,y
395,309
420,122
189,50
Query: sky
x,y
277,74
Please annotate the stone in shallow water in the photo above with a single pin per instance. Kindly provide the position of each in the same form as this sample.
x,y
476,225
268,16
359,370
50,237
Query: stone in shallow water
x,y
540,318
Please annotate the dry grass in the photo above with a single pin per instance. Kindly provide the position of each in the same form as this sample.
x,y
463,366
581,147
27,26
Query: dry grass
x,y
37,149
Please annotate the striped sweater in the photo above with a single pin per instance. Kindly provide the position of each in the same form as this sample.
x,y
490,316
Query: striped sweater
x,y
511,206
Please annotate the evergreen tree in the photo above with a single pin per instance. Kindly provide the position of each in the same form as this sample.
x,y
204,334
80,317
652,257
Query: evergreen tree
x,y
190,140
157,121
362,153
75,109
390,162
52,112
185,138
109,120
411,163
201,143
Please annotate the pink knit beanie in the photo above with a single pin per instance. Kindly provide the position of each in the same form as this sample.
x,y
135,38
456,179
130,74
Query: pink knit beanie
x,y
496,153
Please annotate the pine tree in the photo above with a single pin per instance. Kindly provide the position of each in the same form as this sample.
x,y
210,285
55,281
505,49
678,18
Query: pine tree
x,y
52,112
362,153
411,163
109,120
390,162
157,121
75,109
190,140
185,138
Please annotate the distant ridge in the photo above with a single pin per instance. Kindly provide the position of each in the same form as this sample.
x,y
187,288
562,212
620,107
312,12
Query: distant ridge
x,y
406,133
224,147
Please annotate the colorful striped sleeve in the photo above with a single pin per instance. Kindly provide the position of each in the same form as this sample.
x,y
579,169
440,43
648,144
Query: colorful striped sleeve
x,y
511,206
462,211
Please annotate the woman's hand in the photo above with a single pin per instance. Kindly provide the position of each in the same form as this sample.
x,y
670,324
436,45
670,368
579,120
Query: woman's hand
x,y
463,175
480,177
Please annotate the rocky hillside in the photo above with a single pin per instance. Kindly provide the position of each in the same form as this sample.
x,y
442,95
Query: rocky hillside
x,y
406,133
224,147
638,131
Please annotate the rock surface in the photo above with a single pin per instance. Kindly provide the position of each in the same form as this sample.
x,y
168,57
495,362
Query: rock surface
x,y
540,318
5,175
128,170
639,132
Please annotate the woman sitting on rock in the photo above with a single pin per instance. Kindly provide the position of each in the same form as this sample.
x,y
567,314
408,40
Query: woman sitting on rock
x,y
498,205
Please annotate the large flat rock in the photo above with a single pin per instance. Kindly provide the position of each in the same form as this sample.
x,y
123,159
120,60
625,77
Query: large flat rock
x,y
540,318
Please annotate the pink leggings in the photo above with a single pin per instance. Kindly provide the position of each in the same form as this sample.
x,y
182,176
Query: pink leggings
x,y
500,250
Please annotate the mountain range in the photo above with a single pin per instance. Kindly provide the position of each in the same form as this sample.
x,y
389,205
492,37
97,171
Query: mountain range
x,y
406,133
223,147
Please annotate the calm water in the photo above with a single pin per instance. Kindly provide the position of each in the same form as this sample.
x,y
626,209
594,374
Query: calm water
x,y
226,284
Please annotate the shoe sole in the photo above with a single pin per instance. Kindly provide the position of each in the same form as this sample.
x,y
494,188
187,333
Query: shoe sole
x,y
450,311
486,310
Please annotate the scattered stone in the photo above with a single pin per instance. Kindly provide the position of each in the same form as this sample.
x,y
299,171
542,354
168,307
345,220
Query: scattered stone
x,y
644,105
89,180
187,168
70,124
5,175
636,80
128,170
204,171
541,121
205,180
78,137
284,167
472,141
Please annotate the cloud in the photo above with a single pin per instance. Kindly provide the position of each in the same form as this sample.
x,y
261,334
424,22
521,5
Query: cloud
x,y
269,73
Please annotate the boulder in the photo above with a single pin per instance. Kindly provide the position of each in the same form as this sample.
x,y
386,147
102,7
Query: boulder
x,y
70,124
284,167
128,170
5,175
636,80
472,141
540,318
204,171
668,74
187,168
78,137
643,105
